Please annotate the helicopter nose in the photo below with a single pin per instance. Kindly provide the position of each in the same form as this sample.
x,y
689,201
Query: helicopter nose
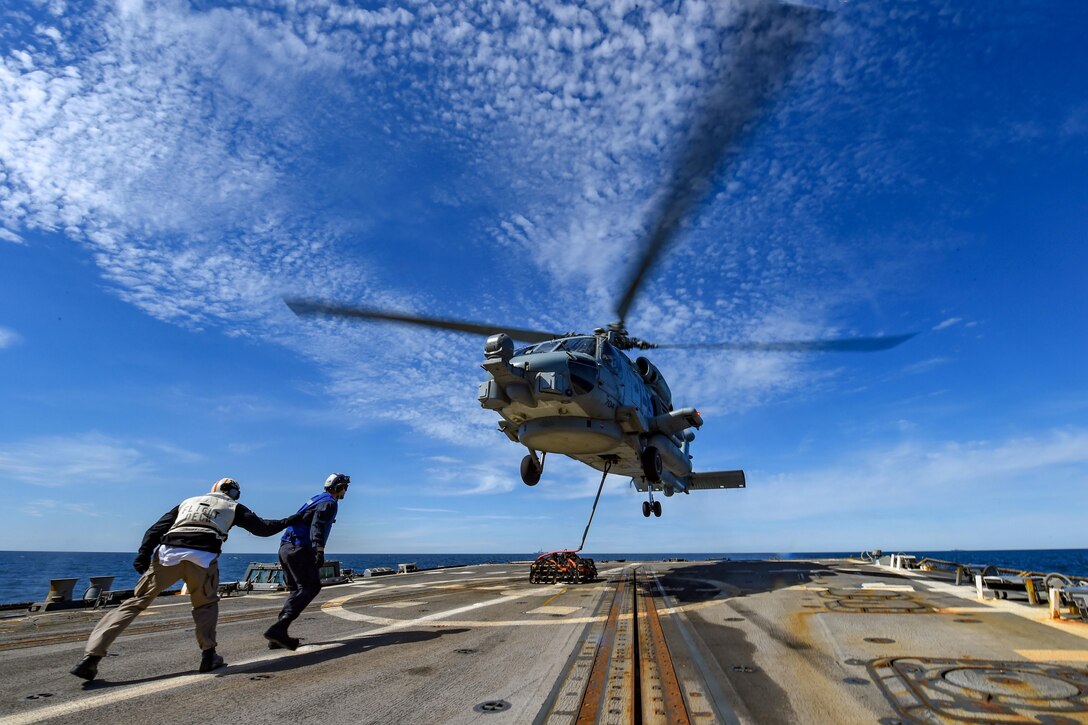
x,y
554,382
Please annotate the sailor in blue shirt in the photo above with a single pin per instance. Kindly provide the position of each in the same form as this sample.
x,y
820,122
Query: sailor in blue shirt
x,y
302,554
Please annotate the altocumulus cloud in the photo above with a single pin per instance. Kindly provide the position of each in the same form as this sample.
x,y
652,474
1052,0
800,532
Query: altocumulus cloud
x,y
175,142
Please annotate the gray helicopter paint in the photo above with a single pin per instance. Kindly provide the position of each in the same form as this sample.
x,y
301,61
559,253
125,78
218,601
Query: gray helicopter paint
x,y
627,408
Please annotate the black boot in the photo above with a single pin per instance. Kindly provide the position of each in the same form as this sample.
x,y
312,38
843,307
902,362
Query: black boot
x,y
209,660
87,667
277,635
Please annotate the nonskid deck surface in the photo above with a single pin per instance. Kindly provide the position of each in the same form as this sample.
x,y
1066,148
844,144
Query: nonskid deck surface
x,y
700,642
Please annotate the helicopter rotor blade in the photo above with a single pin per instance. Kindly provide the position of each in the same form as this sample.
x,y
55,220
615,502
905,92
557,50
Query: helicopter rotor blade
x,y
304,308
846,344
770,36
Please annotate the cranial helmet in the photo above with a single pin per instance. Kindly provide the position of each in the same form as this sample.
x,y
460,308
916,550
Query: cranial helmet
x,y
227,486
337,481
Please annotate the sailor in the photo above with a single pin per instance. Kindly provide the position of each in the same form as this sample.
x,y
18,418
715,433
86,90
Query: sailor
x,y
184,544
302,554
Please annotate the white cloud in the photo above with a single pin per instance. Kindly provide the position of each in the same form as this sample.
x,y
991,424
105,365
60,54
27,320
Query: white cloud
x,y
913,476
84,460
8,338
43,507
7,235
947,323
182,147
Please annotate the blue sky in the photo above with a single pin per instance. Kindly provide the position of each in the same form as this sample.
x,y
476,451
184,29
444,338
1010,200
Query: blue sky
x,y
170,170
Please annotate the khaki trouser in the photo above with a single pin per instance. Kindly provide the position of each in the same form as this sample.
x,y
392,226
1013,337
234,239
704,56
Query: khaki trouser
x,y
203,591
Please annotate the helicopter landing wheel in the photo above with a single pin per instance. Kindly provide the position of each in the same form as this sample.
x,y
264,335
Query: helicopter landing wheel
x,y
646,509
651,464
656,508
530,471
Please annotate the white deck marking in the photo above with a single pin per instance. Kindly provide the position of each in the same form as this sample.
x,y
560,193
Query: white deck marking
x,y
385,625
890,587
150,688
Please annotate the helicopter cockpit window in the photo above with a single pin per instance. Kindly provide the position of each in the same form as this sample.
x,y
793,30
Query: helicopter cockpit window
x,y
608,354
585,345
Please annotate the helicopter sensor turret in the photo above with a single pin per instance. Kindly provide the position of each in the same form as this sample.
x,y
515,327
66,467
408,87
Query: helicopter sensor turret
x,y
500,346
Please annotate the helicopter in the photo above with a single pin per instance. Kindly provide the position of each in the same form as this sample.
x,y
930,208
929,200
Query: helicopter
x,y
581,395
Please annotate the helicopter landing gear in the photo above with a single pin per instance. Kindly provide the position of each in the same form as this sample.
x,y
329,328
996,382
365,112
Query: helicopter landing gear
x,y
531,468
651,506
651,464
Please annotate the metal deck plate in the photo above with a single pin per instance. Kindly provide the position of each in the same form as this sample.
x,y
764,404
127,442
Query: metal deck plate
x,y
873,601
927,690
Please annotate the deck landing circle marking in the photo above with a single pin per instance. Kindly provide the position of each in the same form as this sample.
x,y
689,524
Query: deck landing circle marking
x,y
337,607
1012,684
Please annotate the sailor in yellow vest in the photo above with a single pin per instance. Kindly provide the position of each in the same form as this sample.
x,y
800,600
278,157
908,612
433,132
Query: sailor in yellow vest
x,y
184,544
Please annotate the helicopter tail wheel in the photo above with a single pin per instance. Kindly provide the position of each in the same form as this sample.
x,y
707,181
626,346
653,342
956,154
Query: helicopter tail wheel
x,y
657,508
530,471
646,509
651,464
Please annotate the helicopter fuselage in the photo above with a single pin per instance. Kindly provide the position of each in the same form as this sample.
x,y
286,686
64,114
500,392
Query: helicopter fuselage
x,y
582,397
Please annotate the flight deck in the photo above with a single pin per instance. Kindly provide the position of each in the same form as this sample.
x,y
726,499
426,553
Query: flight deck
x,y
717,641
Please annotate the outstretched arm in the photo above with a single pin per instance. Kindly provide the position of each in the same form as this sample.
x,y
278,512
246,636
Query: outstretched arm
x,y
257,526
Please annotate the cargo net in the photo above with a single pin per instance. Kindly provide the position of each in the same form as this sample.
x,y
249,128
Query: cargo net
x,y
562,566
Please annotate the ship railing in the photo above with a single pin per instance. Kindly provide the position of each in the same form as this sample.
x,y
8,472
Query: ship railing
x,y
998,582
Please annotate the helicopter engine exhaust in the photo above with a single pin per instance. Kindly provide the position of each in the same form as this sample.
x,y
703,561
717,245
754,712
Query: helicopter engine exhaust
x,y
653,378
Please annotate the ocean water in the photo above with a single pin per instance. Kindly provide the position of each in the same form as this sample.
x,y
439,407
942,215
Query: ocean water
x,y
25,575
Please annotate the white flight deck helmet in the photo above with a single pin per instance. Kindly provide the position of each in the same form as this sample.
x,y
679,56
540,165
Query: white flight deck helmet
x,y
227,486
337,483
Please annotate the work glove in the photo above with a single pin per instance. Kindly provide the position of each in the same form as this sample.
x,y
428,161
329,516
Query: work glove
x,y
319,558
140,565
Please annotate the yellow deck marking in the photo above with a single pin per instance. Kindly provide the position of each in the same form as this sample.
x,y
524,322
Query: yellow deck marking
x,y
1054,655
549,599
